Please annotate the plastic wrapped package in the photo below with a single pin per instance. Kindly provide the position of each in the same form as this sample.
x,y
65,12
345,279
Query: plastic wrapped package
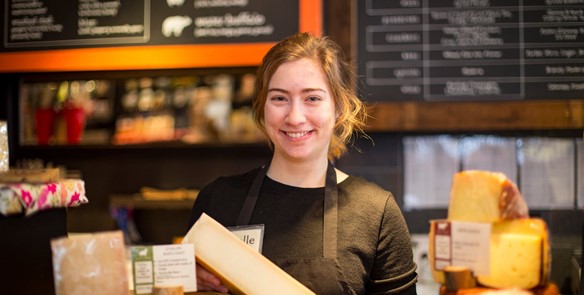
x,y
90,264
33,197
8,203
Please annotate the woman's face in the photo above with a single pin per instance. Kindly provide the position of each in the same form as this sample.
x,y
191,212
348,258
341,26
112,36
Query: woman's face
x,y
299,111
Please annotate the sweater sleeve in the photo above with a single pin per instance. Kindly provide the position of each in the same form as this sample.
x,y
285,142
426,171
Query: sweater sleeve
x,y
394,270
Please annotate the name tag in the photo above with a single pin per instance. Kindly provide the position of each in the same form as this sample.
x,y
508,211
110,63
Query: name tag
x,y
252,235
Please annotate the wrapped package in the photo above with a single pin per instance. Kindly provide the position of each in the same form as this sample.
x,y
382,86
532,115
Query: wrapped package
x,y
35,197
90,264
9,203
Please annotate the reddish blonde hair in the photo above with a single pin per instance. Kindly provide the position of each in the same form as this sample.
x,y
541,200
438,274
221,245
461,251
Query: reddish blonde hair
x,y
338,73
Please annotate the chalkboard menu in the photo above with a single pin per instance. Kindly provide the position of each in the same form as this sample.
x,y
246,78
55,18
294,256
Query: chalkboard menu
x,y
46,24
451,50
96,35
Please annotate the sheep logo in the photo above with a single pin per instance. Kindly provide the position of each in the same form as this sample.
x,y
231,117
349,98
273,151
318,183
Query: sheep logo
x,y
174,25
143,252
172,3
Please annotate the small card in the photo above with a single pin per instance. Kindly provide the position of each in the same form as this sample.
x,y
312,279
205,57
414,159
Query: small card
x,y
463,244
163,265
252,235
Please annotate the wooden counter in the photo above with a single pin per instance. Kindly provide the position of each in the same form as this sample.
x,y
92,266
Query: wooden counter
x,y
550,289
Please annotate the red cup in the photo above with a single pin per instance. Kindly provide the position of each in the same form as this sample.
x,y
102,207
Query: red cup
x,y
44,121
75,122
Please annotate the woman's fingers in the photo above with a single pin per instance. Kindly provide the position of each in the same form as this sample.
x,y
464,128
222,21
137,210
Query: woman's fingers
x,y
207,281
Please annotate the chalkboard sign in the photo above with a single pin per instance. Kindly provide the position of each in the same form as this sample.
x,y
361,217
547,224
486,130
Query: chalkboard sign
x,y
450,50
43,24
148,33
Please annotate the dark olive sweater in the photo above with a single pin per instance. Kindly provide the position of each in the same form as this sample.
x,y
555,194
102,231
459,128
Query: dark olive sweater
x,y
374,247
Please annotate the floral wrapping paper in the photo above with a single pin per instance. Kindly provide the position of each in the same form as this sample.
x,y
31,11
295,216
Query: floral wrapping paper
x,y
36,197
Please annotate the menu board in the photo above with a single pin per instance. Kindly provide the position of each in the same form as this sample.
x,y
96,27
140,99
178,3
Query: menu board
x,y
35,24
450,50
64,35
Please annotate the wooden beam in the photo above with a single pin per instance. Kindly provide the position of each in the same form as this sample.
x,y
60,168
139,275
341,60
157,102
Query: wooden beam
x,y
477,116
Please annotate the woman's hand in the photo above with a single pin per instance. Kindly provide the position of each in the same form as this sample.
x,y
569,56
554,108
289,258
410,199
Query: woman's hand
x,y
207,281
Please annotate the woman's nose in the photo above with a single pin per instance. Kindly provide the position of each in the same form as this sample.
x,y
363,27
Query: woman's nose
x,y
296,114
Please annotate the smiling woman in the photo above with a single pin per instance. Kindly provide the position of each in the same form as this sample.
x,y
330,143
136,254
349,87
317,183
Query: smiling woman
x,y
335,233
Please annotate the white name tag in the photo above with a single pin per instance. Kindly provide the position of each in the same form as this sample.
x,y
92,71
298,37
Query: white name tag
x,y
252,235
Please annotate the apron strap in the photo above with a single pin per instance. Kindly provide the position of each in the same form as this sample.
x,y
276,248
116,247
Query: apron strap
x,y
252,197
331,199
330,207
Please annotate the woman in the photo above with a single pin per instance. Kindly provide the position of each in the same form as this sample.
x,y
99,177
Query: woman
x,y
335,233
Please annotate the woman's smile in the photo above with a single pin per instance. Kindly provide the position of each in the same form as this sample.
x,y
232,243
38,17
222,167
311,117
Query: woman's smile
x,y
296,135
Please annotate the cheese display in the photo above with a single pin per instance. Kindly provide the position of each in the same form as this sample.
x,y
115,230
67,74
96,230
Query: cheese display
x,y
516,253
482,196
518,257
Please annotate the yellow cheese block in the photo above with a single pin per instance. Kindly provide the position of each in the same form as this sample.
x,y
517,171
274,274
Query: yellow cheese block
x,y
519,255
483,196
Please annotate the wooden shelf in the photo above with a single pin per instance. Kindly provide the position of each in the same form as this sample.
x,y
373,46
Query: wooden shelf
x,y
138,202
477,116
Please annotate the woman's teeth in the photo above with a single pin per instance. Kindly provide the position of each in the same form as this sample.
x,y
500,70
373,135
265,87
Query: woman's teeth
x,y
296,134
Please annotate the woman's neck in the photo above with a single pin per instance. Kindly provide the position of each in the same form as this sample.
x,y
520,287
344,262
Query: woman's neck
x,y
300,173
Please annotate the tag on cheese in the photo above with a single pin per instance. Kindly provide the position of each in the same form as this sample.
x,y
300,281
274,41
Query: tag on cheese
x,y
519,255
482,196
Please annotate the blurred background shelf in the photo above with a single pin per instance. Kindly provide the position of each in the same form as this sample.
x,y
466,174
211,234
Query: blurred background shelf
x,y
138,202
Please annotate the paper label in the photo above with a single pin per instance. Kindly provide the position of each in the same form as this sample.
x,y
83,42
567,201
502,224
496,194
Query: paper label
x,y
252,235
462,244
163,265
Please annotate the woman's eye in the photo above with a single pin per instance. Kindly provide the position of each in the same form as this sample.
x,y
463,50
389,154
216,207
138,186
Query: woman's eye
x,y
313,98
278,98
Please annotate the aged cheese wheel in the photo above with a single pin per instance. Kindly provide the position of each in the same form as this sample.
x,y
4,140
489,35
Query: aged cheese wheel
x,y
483,196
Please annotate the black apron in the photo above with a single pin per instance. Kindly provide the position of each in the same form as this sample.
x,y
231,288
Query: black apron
x,y
322,275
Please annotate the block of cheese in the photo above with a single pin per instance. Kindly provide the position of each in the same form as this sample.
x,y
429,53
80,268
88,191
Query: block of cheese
x,y
90,264
241,268
483,196
519,255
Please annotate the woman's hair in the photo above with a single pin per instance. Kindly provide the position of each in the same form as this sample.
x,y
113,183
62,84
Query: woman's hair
x,y
338,74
